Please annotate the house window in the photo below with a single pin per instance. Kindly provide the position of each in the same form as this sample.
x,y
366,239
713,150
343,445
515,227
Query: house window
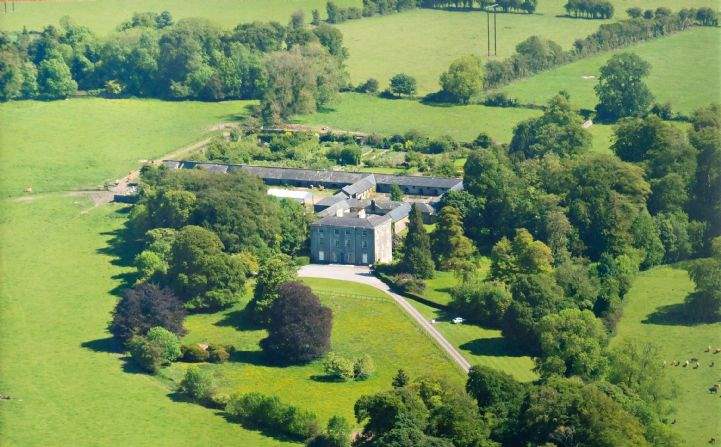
x,y
337,243
364,244
349,258
347,242
321,255
321,234
336,231
365,258
347,231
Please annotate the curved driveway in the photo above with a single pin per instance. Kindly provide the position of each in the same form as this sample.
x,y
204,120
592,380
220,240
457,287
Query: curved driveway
x,y
362,274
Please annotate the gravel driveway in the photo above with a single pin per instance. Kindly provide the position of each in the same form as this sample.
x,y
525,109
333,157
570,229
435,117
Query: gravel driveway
x,y
362,274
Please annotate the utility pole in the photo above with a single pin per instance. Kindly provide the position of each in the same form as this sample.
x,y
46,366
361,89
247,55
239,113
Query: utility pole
x,y
495,37
488,28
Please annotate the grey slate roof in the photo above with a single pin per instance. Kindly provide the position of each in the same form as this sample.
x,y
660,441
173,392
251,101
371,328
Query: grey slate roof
x,y
331,210
365,184
371,221
332,200
400,212
331,177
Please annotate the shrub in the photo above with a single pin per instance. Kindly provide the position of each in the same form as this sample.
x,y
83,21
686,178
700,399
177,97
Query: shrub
x,y
299,326
168,343
146,355
363,367
500,99
218,355
403,84
406,283
256,410
483,140
369,86
194,353
338,367
198,384
337,434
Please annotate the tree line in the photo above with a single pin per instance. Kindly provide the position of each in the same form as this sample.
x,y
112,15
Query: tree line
x,y
536,54
506,6
290,67
370,8
590,9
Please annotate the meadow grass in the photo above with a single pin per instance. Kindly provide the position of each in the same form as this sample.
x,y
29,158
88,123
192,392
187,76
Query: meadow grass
x,y
103,16
685,71
365,321
653,295
80,143
367,113
68,384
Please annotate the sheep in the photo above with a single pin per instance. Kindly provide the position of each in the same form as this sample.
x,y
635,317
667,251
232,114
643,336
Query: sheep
x,y
686,363
708,349
712,441
696,366
675,363
664,363
710,365
715,388
717,350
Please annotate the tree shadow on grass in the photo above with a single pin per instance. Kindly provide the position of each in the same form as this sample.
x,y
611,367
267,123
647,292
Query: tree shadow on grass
x,y
257,358
325,378
670,315
108,344
123,252
252,427
239,319
494,346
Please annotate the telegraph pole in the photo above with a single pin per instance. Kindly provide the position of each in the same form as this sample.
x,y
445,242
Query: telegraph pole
x,y
495,37
488,27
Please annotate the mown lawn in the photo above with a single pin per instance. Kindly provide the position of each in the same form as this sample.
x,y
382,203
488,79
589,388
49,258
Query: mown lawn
x,y
654,294
103,16
685,71
80,143
367,113
365,321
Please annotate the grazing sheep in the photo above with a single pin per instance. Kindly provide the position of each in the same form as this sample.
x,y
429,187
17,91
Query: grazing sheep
x,y
711,364
708,349
686,363
712,441
664,363
675,363
717,350
694,359
696,366
715,388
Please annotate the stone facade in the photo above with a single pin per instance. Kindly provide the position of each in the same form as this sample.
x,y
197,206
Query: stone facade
x,y
355,239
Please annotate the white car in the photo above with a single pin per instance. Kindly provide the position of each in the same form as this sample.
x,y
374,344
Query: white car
x,y
458,320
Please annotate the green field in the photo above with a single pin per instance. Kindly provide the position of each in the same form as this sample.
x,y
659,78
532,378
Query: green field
x,y
68,384
80,143
685,70
103,16
366,113
365,320
663,289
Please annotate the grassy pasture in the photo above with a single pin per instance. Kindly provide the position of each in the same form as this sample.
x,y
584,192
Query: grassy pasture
x,y
79,143
69,386
365,320
685,70
654,293
103,16
366,113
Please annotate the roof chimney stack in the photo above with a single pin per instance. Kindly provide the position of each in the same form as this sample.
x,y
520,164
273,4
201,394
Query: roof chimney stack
x,y
362,213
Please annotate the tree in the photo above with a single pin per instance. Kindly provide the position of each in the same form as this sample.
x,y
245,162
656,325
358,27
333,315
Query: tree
x,y
274,271
403,84
198,384
201,273
167,341
634,12
534,297
383,411
54,78
331,38
522,255
299,81
401,379
417,258
464,78
706,186
338,367
559,130
481,302
621,90
576,338
299,327
363,367
704,304
396,193
337,434
450,247
646,237
499,394
572,413
145,306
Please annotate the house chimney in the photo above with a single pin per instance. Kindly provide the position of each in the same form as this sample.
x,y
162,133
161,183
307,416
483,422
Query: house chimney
x,y
339,212
361,213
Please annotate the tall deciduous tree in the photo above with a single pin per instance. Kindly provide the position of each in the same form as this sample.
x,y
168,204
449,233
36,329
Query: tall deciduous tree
x,y
417,258
273,273
145,306
621,89
523,255
464,78
299,326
